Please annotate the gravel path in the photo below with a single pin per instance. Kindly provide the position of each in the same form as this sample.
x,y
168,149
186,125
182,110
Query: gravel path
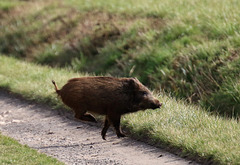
x,y
57,134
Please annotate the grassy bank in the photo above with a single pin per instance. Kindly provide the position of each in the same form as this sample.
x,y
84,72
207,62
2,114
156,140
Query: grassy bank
x,y
11,152
188,48
176,125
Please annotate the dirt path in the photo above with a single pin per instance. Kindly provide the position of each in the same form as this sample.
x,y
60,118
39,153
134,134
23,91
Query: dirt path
x,y
56,133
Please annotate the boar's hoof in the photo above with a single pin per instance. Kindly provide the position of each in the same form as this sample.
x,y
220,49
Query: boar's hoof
x,y
120,135
90,118
87,117
103,135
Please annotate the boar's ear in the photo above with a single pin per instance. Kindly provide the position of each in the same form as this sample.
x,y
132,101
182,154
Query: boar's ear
x,y
135,78
133,83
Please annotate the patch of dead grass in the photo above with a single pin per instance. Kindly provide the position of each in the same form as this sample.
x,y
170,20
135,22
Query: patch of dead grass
x,y
46,22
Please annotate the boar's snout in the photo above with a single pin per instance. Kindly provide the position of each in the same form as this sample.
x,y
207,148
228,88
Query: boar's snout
x,y
149,102
156,104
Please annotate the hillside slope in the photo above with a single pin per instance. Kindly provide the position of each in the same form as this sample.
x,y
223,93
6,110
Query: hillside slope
x,y
187,48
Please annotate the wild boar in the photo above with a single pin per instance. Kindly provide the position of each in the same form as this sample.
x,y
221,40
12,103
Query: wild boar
x,y
108,96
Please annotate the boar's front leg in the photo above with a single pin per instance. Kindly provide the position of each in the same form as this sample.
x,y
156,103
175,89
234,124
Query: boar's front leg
x,y
105,128
115,120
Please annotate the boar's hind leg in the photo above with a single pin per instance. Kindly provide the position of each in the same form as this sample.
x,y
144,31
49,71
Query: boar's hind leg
x,y
84,116
105,128
115,120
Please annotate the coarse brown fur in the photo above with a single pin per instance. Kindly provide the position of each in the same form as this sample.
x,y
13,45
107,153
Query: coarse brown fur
x,y
108,96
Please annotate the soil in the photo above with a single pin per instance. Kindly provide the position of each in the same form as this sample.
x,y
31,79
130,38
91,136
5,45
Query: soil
x,y
58,134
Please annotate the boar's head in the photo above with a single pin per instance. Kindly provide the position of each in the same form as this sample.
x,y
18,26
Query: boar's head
x,y
141,96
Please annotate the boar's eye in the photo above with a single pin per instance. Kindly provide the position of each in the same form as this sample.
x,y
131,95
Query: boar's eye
x,y
143,93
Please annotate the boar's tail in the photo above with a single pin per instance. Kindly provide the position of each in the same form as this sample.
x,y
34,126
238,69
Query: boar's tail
x,y
56,88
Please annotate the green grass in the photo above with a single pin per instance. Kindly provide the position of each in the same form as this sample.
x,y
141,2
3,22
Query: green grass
x,y
11,152
6,5
32,82
189,48
176,125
